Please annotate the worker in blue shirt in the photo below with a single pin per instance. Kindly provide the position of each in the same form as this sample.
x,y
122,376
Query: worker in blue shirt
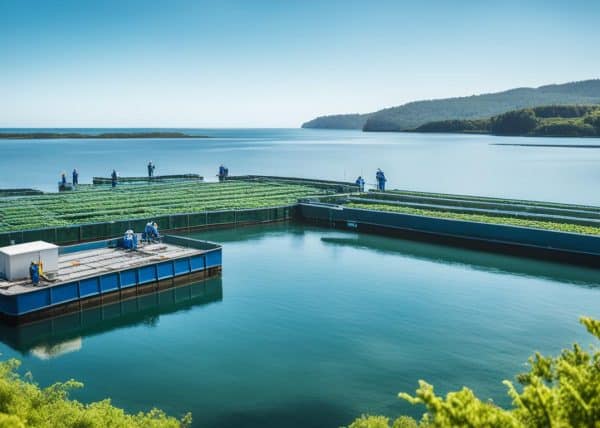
x,y
151,168
360,182
380,177
113,178
75,177
130,240
34,273
151,231
63,179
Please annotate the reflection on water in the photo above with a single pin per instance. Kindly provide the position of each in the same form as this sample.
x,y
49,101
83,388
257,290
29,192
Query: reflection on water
x,y
54,337
439,253
489,262
45,352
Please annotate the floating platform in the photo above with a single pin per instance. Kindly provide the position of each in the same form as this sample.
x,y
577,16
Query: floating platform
x,y
92,272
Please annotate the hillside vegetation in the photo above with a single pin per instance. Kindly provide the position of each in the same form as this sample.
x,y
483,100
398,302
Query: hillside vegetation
x,y
546,121
338,121
414,114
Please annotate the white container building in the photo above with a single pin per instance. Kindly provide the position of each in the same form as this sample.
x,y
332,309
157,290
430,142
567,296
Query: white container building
x,y
16,259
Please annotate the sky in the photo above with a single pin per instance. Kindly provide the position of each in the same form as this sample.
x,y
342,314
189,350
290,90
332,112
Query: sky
x,y
242,63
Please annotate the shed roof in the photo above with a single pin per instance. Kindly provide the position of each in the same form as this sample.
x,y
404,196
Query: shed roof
x,y
28,247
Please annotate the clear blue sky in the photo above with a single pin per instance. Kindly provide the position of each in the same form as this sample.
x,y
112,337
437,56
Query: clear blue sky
x,y
275,63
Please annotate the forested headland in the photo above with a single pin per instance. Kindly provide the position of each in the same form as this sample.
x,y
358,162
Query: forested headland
x,y
546,121
415,114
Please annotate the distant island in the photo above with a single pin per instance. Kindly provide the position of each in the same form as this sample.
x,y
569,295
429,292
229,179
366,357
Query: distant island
x,y
415,114
107,135
546,121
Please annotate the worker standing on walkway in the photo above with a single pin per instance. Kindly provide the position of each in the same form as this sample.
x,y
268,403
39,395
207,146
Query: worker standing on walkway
x,y
151,168
113,178
380,177
360,182
75,177
34,273
63,179
223,173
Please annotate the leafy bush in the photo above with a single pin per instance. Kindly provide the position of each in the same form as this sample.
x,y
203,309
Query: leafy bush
x,y
25,404
561,391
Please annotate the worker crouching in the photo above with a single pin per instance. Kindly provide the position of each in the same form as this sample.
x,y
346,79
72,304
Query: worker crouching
x,y
130,240
151,232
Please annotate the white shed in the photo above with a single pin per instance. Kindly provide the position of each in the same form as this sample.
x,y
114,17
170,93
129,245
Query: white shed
x,y
15,259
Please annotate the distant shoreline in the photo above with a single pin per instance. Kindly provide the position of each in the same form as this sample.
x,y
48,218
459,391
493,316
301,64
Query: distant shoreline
x,y
107,135
566,146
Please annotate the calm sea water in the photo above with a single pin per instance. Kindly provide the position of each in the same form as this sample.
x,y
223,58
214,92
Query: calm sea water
x,y
439,163
311,327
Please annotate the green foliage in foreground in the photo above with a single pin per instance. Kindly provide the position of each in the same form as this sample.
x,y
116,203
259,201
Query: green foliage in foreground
x,y
25,404
559,392
481,218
